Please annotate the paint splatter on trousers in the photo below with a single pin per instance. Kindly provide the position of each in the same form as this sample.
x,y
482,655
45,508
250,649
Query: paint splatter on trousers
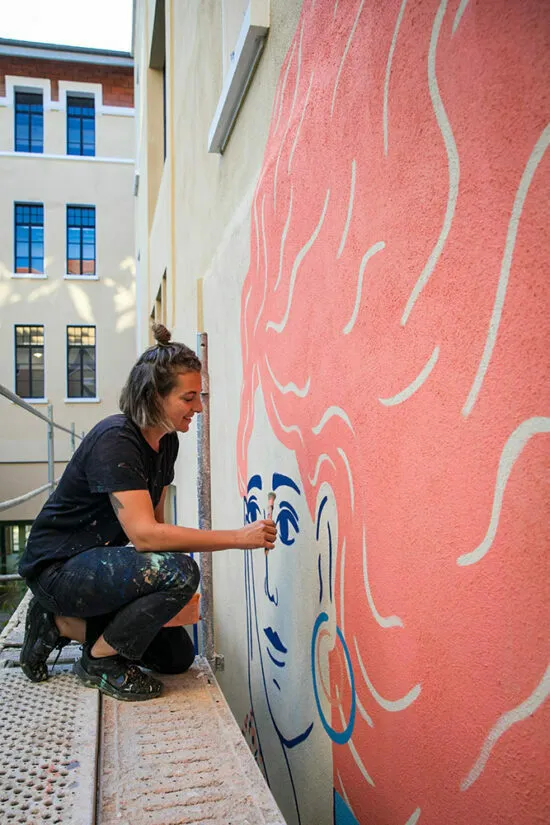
x,y
127,596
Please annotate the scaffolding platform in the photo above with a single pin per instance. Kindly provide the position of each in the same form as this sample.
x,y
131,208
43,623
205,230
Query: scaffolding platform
x,y
70,756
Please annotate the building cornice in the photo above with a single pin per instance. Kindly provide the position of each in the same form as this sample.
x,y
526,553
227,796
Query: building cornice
x,y
69,54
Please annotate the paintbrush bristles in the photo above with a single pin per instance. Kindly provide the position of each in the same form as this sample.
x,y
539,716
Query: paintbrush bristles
x,y
270,502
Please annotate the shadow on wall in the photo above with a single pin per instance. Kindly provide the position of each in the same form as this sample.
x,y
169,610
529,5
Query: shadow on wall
x,y
395,333
123,293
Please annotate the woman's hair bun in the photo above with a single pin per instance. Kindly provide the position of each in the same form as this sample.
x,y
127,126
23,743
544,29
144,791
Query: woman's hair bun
x,y
161,334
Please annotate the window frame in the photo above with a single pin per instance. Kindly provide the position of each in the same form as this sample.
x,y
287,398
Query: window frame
x,y
31,348
38,149
29,271
80,117
81,227
81,364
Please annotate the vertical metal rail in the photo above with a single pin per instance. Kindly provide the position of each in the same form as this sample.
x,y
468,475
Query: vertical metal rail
x,y
204,494
51,456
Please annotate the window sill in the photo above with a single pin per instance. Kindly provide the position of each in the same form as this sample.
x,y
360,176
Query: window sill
x,y
36,400
71,277
29,276
82,400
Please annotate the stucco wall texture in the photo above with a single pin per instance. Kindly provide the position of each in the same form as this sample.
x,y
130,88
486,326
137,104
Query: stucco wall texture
x,y
395,329
378,228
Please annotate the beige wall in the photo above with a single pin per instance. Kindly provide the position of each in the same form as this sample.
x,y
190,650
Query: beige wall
x,y
200,230
105,181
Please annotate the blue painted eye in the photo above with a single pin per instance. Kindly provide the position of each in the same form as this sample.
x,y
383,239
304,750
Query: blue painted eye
x,y
287,523
253,512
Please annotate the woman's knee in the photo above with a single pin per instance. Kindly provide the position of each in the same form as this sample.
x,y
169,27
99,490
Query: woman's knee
x,y
174,570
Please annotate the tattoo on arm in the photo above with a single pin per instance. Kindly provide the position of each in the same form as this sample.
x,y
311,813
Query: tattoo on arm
x,y
116,503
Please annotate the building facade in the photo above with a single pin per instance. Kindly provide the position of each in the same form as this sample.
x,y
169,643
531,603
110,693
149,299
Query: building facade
x,y
67,266
351,199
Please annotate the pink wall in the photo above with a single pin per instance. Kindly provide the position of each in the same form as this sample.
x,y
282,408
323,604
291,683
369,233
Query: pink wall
x,y
399,270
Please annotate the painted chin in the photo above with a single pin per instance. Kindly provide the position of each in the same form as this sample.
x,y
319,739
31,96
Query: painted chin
x,y
185,423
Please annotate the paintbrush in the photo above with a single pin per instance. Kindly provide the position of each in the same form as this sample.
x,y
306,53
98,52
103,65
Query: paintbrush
x,y
270,502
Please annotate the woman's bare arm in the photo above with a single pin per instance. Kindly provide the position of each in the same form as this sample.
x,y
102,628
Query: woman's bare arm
x,y
134,510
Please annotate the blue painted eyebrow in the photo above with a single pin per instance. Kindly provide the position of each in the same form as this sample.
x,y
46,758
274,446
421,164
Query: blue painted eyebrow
x,y
255,481
281,480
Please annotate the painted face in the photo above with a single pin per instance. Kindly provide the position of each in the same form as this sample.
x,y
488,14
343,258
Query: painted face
x,y
183,401
285,604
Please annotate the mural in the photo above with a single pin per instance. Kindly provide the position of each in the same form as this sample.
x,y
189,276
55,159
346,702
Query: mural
x,y
395,397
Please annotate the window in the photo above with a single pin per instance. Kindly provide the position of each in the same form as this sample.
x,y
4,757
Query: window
x,y
81,240
80,125
81,362
29,237
29,361
29,122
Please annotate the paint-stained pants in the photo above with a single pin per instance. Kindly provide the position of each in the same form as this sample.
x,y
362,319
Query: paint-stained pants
x,y
128,597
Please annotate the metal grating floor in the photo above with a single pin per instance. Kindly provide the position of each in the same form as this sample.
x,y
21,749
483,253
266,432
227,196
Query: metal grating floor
x,y
48,751
176,760
180,759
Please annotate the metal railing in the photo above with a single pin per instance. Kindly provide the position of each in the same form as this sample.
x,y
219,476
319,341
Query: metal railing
x,y
49,420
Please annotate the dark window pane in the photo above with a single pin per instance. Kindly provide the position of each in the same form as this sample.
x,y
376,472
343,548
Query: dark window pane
x,y
81,362
29,122
29,361
80,125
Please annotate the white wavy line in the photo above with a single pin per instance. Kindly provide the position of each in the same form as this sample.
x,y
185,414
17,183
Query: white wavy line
x,y
388,72
285,78
245,310
383,621
257,228
348,44
458,16
359,763
329,413
335,10
291,387
283,241
510,454
298,130
289,122
391,705
364,714
350,477
414,385
378,247
413,819
511,717
265,269
320,461
344,794
356,757
342,570
298,260
350,210
290,429
454,166
534,159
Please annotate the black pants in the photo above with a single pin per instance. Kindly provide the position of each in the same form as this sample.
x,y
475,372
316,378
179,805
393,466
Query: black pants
x,y
128,597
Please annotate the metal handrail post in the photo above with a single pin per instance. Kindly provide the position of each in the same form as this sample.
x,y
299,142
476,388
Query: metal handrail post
x,y
204,494
51,456
73,438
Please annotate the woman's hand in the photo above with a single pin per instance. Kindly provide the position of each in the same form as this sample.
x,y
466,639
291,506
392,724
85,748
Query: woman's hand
x,y
257,534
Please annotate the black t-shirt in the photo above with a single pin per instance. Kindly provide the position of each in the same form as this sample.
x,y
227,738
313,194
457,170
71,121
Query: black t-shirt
x,y
113,457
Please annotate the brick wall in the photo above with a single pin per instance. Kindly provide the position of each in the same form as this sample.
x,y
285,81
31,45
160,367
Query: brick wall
x,y
117,81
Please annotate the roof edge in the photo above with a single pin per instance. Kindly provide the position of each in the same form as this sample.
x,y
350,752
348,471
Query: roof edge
x,y
74,54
